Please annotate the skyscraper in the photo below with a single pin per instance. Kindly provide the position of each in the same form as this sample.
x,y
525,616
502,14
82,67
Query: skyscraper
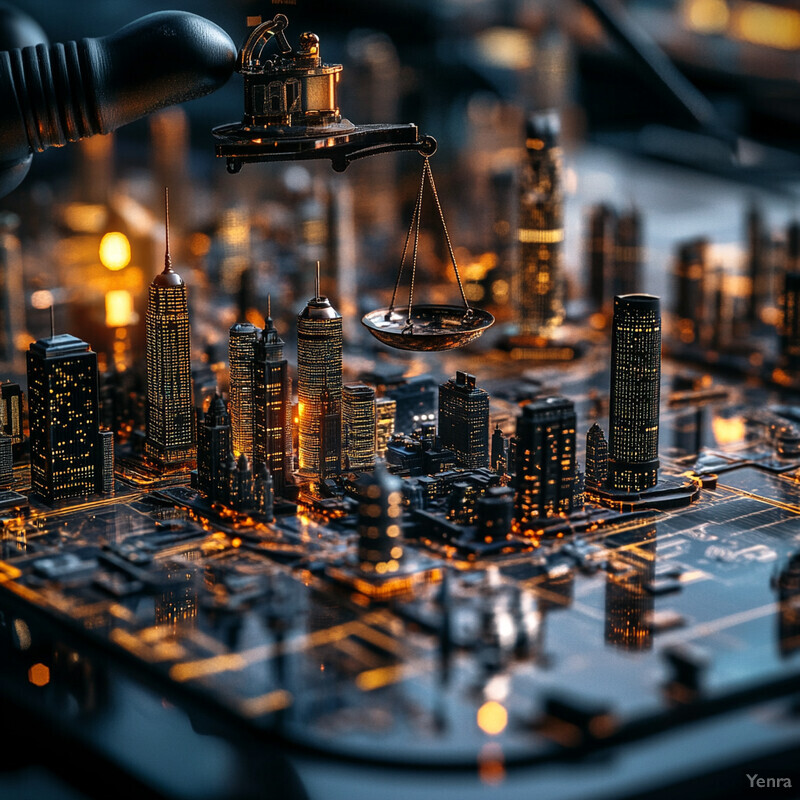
x,y
499,457
66,447
6,461
330,438
241,356
11,411
170,435
635,393
385,414
319,367
272,400
541,229
213,448
464,421
380,549
545,460
596,457
790,321
358,426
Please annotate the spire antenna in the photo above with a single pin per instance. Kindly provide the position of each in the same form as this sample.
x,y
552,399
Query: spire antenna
x,y
52,322
167,256
316,284
269,306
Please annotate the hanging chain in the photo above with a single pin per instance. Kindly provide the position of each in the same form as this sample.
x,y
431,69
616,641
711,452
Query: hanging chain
x,y
414,225
408,326
414,228
427,168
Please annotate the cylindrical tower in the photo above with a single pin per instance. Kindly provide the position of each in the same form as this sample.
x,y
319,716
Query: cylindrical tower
x,y
319,367
635,393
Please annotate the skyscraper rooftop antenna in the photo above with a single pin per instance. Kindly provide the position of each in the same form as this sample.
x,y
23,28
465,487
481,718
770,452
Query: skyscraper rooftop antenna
x,y
316,283
167,256
52,322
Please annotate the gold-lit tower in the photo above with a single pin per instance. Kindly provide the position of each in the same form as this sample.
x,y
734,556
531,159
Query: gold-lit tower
x,y
319,368
170,433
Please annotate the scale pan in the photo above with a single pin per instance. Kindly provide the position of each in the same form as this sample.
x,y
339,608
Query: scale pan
x,y
433,327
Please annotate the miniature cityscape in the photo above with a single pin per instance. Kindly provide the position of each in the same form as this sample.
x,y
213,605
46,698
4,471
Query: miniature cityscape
x,y
413,559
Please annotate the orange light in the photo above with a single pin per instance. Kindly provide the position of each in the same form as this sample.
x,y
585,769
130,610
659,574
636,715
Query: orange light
x,y
119,308
39,675
492,718
769,26
115,251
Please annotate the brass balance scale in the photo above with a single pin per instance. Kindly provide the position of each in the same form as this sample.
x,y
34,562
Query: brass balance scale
x,y
292,114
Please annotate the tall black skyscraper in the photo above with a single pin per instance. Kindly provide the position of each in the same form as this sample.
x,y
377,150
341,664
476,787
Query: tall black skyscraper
x,y
213,448
464,421
170,434
272,412
66,446
635,393
545,468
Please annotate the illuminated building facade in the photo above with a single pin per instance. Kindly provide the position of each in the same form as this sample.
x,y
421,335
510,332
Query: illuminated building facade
x,y
385,414
464,421
11,411
213,447
319,368
596,457
541,230
241,355
330,439
545,460
790,322
240,483
264,492
380,549
358,426
170,435
66,447
635,393
499,457
272,400
6,461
